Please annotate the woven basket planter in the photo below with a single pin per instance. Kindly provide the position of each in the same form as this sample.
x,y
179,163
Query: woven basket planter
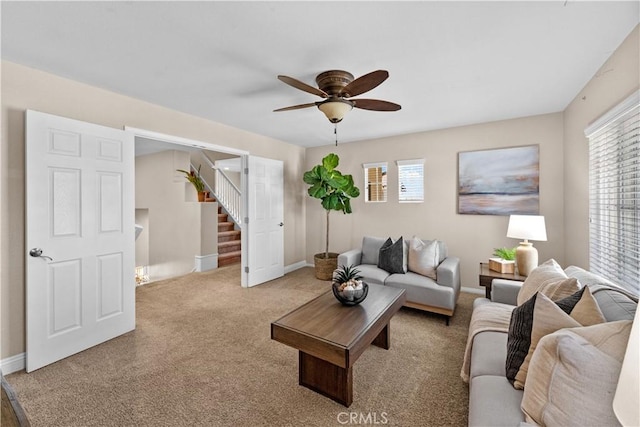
x,y
325,266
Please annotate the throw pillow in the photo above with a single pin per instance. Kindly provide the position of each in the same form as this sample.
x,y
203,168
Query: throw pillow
x,y
519,336
547,272
574,374
391,258
423,257
548,318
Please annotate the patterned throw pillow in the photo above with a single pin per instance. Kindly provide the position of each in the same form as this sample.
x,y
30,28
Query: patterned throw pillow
x,y
392,256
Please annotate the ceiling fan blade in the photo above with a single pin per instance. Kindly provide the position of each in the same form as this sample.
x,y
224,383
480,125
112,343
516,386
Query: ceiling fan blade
x,y
364,83
302,86
296,107
375,105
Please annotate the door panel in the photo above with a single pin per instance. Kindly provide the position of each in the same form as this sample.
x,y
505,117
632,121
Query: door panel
x,y
265,226
80,212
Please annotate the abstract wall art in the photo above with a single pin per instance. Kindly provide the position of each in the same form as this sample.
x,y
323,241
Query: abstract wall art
x,y
502,181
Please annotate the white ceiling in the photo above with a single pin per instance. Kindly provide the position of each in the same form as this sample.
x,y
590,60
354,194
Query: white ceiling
x,y
450,63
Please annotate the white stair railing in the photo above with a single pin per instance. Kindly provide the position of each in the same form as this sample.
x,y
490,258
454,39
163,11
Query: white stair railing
x,y
228,195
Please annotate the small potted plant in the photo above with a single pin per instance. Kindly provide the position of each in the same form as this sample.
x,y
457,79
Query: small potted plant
x,y
195,179
347,286
503,261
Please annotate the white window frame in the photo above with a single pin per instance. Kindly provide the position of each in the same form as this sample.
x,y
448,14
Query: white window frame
x,y
614,190
405,168
383,181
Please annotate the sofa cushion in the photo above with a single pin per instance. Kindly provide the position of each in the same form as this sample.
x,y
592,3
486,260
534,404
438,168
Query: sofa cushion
x,y
546,273
424,257
548,318
371,249
615,305
493,402
520,328
573,376
422,290
372,275
392,256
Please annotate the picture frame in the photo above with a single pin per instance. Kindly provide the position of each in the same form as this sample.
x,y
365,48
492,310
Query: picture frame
x,y
500,181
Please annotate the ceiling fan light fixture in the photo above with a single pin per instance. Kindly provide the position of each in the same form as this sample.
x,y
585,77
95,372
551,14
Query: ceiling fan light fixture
x,y
335,109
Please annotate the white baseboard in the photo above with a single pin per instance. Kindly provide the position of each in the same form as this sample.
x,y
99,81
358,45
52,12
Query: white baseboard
x,y
206,262
472,290
13,364
293,267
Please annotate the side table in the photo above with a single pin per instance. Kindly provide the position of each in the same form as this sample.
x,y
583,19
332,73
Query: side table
x,y
487,275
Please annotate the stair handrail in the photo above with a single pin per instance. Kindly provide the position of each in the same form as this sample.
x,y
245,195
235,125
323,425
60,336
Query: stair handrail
x,y
228,195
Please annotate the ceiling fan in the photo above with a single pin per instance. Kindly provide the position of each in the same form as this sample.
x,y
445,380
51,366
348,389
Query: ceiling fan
x,y
338,87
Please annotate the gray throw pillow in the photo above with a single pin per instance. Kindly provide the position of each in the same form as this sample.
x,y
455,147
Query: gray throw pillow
x,y
392,256
520,327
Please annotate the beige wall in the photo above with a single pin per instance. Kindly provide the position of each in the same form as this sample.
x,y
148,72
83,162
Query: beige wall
x,y
179,228
616,79
25,88
470,237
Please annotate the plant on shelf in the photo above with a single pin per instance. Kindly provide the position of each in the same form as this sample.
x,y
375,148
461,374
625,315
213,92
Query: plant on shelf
x,y
195,179
507,254
335,192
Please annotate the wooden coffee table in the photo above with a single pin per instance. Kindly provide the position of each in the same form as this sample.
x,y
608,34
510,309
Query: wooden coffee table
x,y
330,337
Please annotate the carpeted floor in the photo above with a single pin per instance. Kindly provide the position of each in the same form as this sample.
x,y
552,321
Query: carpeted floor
x,y
201,355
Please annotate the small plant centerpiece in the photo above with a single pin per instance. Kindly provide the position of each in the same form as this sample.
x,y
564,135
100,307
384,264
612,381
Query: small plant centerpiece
x,y
503,261
335,192
347,285
195,179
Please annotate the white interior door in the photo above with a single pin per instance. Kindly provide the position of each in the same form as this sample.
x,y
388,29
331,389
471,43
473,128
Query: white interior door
x,y
266,215
80,218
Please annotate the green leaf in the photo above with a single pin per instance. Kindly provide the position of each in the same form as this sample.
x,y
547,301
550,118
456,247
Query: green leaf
x,y
317,191
330,161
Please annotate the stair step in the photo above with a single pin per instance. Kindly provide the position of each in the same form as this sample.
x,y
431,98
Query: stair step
x,y
225,226
229,258
222,217
225,236
230,246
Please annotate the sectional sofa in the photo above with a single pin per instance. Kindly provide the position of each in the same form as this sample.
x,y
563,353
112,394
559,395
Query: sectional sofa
x,y
572,373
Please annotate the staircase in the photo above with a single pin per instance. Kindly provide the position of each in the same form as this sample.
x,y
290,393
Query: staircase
x,y
228,197
228,240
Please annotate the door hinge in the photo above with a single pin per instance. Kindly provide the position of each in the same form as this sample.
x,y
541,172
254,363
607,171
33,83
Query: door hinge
x,y
246,220
246,269
246,171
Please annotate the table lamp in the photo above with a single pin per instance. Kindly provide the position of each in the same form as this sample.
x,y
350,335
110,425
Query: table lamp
x,y
625,401
526,227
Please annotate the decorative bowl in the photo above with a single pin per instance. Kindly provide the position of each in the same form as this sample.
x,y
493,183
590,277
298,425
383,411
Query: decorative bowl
x,y
350,297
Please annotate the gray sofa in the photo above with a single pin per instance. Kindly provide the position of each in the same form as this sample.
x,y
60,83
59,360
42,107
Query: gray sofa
x,y
493,401
423,293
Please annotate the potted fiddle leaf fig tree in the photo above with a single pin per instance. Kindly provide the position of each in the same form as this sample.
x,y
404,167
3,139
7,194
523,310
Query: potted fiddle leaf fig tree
x,y
335,192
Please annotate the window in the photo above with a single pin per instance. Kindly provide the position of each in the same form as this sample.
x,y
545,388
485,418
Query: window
x,y
614,194
375,182
410,180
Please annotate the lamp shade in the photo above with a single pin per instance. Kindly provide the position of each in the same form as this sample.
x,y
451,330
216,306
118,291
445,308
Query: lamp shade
x,y
625,401
527,227
335,109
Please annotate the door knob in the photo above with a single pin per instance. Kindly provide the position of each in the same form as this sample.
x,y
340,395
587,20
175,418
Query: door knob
x,y
281,224
37,253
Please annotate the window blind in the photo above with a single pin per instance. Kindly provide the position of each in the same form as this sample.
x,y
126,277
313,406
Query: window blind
x,y
614,194
375,182
411,180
